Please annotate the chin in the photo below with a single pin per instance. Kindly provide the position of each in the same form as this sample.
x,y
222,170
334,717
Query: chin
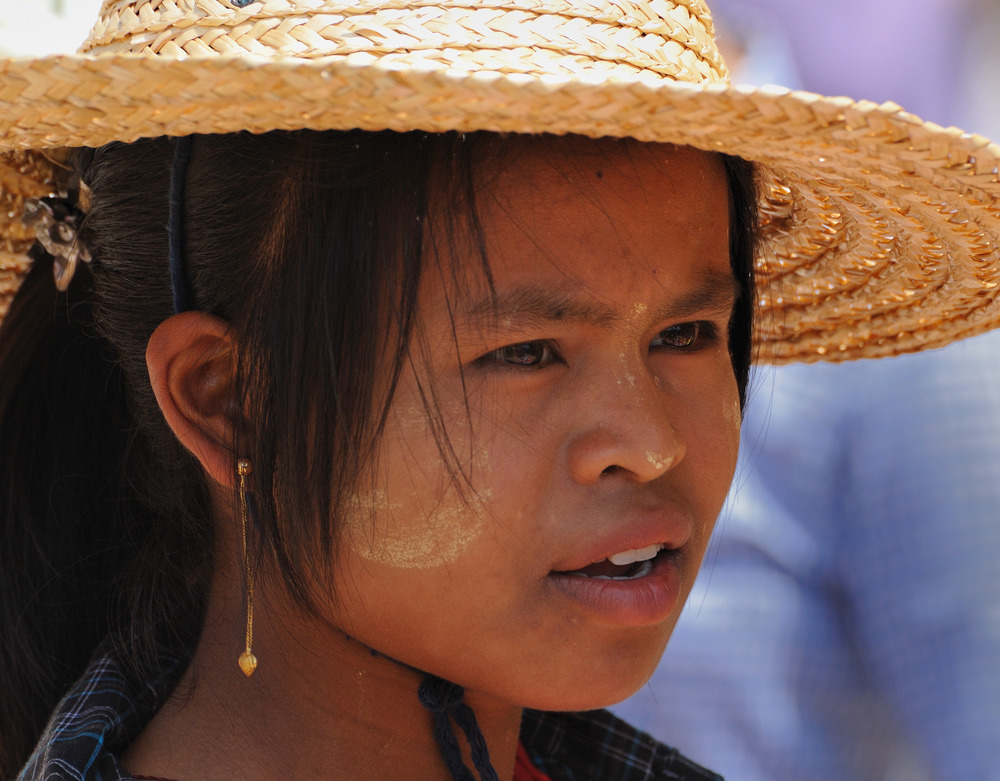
x,y
586,698
608,679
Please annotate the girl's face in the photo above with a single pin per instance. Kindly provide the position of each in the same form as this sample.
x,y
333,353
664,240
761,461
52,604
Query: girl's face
x,y
535,541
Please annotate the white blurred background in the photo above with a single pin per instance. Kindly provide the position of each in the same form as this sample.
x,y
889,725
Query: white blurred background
x,y
33,27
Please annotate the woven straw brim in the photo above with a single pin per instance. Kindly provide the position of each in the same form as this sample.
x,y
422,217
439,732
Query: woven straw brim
x,y
882,232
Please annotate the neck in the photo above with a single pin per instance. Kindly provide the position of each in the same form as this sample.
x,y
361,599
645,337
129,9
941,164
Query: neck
x,y
320,705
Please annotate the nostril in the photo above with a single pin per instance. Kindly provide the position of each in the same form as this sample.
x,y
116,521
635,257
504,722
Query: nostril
x,y
610,470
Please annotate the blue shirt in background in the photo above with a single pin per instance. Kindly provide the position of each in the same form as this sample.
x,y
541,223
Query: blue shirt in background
x,y
846,622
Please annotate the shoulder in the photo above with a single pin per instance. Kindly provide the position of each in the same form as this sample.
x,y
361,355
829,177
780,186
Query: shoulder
x,y
599,745
99,716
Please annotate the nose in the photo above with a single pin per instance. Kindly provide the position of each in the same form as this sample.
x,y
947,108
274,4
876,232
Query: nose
x,y
624,429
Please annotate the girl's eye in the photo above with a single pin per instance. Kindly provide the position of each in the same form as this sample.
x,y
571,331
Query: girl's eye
x,y
526,354
685,336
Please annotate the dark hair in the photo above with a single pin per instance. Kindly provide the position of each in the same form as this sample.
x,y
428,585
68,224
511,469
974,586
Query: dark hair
x,y
310,245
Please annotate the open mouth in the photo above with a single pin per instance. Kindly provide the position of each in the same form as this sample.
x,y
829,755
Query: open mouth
x,y
627,565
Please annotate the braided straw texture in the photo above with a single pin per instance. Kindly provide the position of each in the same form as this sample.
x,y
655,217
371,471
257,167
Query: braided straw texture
x,y
882,232
510,36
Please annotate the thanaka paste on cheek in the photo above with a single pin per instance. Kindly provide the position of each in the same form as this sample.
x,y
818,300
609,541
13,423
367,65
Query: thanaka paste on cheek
x,y
734,419
434,539
380,531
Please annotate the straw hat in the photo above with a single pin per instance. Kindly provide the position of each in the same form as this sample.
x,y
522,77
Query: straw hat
x,y
882,232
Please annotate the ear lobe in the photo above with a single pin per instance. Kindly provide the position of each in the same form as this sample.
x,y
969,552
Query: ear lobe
x,y
191,364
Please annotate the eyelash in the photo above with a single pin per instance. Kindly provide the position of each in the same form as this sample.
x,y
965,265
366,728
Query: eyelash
x,y
690,337
683,337
501,356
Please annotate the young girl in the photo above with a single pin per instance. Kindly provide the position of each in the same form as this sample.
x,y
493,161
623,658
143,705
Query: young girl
x,y
385,440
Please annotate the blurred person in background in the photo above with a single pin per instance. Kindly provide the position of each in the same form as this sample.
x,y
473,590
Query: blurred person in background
x,y
846,624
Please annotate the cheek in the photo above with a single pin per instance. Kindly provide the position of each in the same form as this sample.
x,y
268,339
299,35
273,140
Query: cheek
x,y
427,509
406,535
732,416
733,422
714,441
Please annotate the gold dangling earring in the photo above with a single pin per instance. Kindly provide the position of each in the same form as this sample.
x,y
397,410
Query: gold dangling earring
x,y
248,662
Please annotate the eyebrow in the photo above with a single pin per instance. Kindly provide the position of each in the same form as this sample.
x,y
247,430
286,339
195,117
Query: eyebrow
x,y
714,292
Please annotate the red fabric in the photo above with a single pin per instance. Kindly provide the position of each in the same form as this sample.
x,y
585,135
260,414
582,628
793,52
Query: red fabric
x,y
524,770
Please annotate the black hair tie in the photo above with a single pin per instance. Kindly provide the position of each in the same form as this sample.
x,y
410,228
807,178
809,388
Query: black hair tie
x,y
444,700
175,226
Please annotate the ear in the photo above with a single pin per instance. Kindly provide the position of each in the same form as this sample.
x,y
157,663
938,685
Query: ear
x,y
191,363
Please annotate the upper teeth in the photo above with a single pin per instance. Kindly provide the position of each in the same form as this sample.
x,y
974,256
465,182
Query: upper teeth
x,y
632,556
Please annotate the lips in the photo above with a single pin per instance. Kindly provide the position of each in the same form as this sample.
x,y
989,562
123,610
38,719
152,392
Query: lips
x,y
627,565
613,545
644,593
632,575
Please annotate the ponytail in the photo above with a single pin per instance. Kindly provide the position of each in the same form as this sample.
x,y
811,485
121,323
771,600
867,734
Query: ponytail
x,y
87,551
61,540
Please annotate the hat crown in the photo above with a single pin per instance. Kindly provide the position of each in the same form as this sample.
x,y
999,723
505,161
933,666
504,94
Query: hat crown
x,y
654,40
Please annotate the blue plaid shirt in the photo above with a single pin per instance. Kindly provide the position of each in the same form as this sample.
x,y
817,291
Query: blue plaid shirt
x,y
108,708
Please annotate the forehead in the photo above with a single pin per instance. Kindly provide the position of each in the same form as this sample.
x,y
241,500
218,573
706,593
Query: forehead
x,y
550,160
588,209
